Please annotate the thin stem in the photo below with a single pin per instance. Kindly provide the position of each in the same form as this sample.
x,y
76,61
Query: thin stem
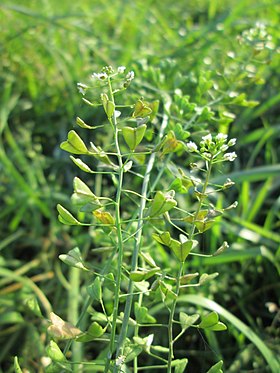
x,y
203,195
134,262
119,248
171,319
73,311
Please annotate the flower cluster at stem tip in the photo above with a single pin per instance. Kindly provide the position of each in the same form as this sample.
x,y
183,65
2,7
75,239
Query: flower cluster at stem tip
x,y
108,72
213,148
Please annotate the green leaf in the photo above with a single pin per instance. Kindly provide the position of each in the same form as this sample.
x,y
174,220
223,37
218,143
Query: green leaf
x,y
95,290
17,368
74,144
186,321
82,166
74,259
216,368
55,353
209,320
142,315
65,217
204,278
162,203
133,136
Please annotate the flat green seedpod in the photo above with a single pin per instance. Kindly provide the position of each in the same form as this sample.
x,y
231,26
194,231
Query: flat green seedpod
x,y
94,331
209,320
186,321
65,217
94,290
217,368
141,109
109,106
133,136
162,203
74,259
82,124
17,368
82,165
55,353
142,315
74,144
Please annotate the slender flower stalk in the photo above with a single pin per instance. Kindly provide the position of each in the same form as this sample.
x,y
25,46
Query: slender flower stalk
x,y
202,197
135,254
119,248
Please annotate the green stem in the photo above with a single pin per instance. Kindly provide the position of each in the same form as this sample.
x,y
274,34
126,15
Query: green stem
x,y
73,311
134,262
203,195
171,341
171,319
119,248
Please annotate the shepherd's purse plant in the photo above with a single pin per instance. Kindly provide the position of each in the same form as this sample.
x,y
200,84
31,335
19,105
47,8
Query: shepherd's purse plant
x,y
137,214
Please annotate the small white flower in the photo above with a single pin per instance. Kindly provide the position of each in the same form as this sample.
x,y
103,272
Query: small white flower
x,y
221,137
192,147
224,148
117,113
228,183
121,69
207,138
232,142
130,76
195,180
82,88
149,340
100,76
230,156
206,155
120,360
